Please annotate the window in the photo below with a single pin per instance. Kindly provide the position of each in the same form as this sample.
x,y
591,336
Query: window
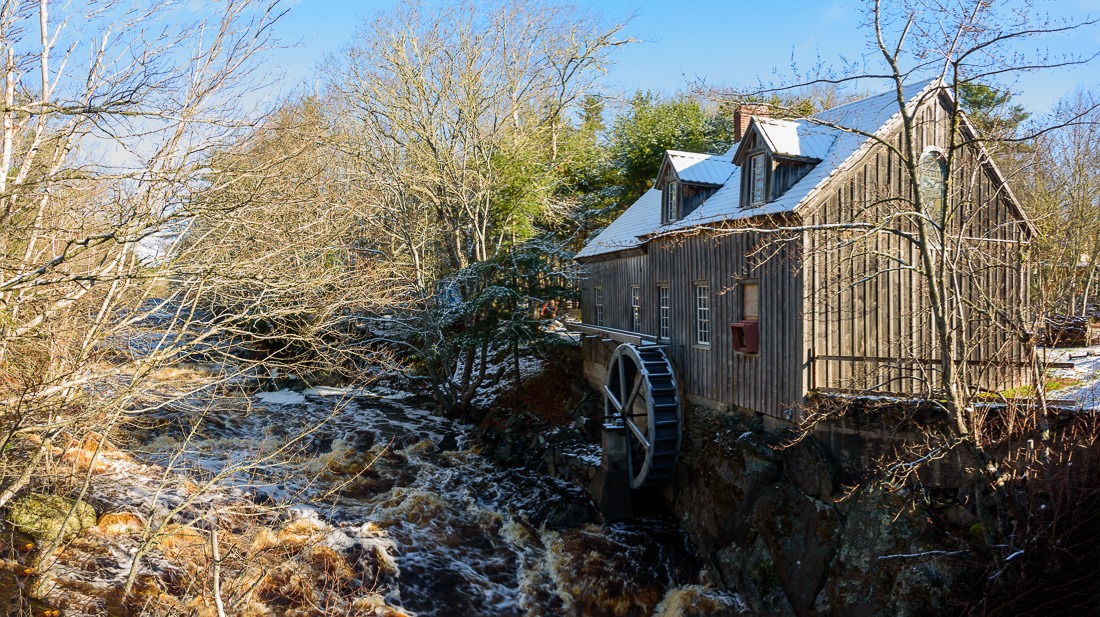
x,y
758,180
750,301
635,308
702,314
664,323
933,181
597,303
672,201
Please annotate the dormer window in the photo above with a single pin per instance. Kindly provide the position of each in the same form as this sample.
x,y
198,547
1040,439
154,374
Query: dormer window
x,y
758,179
774,155
672,201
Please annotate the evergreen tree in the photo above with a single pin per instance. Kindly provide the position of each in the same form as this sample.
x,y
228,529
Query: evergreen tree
x,y
635,146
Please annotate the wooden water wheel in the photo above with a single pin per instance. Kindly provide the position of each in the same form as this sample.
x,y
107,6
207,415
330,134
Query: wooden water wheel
x,y
640,393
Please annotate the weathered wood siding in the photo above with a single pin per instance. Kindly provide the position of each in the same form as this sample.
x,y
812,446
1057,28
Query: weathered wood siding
x,y
768,382
839,309
868,318
693,196
615,276
786,174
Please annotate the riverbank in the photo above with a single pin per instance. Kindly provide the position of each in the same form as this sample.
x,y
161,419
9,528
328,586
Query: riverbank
x,y
346,501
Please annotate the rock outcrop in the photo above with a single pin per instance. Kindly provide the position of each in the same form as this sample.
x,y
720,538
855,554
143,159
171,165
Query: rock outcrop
x,y
764,515
777,530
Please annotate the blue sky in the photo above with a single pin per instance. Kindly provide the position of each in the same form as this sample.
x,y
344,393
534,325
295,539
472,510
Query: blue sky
x,y
727,42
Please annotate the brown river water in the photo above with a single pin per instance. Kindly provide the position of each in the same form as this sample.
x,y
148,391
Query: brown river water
x,y
466,536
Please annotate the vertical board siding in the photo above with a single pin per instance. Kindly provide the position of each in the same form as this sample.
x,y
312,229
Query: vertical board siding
x,y
615,276
839,309
869,308
768,382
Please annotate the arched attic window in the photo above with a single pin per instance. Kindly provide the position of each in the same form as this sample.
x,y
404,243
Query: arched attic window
x,y
932,180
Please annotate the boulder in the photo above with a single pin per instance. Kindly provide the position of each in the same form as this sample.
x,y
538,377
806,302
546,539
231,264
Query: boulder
x,y
886,563
751,570
560,514
801,534
715,500
119,523
44,517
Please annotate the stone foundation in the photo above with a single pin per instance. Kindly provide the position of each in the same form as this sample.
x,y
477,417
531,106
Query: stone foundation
x,y
771,522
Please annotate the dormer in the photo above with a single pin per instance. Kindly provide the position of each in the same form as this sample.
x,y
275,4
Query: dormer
x,y
775,154
687,180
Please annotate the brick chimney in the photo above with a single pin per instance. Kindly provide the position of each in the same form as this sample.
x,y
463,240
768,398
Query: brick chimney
x,y
743,114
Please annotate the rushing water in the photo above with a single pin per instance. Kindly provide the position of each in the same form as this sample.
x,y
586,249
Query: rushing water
x,y
466,536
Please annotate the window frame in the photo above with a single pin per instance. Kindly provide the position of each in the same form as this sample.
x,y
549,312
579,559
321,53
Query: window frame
x,y
597,305
636,308
938,157
745,332
672,201
701,293
664,311
742,308
758,161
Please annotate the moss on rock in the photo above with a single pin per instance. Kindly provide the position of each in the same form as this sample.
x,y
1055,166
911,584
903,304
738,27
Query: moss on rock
x,y
45,516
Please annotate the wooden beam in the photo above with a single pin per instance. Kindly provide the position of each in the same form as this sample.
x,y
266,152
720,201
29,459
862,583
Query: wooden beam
x,y
611,334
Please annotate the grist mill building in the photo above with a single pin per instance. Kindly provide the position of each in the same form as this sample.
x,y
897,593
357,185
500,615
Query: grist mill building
x,y
752,279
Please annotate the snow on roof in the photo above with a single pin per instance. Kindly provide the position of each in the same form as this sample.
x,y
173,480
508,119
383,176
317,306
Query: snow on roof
x,y
701,168
623,233
795,139
834,136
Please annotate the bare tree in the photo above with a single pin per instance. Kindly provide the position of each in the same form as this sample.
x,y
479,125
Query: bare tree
x,y
1062,192
436,106
97,154
149,217
448,124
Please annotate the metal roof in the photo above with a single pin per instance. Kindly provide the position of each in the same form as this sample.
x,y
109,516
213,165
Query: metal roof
x,y
798,139
701,168
833,136
623,233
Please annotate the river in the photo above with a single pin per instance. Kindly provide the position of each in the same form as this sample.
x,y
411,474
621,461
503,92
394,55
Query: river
x,y
466,536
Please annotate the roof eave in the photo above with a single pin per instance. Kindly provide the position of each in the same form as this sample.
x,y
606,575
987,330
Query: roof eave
x,y
799,158
718,224
969,127
701,183
665,164
608,256
739,154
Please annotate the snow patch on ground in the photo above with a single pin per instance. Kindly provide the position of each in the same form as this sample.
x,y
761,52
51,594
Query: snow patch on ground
x,y
331,391
1086,369
282,397
488,395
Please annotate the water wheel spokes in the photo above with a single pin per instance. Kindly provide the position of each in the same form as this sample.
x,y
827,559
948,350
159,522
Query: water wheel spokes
x,y
640,394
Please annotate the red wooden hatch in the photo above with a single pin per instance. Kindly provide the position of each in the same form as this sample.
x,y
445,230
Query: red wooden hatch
x,y
746,336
